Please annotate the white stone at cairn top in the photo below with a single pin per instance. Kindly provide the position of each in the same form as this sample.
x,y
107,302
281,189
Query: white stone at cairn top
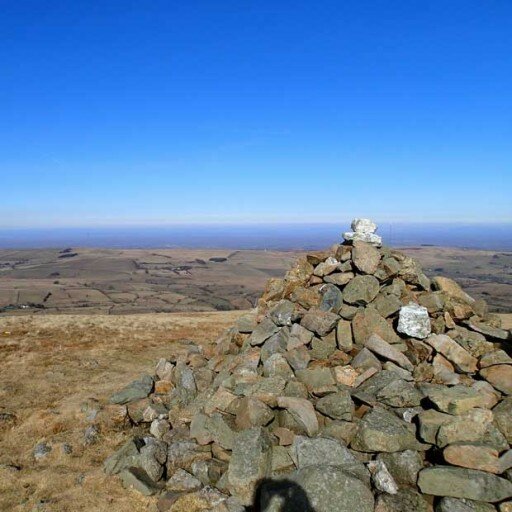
x,y
364,231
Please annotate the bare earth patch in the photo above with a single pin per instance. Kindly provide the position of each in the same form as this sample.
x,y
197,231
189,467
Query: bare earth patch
x,y
57,370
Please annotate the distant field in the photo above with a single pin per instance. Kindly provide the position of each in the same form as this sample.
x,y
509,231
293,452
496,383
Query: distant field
x,y
173,280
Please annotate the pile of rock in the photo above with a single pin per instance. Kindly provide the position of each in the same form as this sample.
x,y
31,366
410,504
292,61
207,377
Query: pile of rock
x,y
359,384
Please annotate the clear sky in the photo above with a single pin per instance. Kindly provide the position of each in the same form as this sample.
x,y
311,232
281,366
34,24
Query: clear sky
x,y
161,111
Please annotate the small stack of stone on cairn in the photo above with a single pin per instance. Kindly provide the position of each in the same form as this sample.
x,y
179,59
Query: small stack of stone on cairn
x,y
359,384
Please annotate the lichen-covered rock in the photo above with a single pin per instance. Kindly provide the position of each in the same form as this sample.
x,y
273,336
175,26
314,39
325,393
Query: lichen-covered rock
x,y
413,320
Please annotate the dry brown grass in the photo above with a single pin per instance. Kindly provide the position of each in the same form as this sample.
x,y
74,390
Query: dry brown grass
x,y
57,368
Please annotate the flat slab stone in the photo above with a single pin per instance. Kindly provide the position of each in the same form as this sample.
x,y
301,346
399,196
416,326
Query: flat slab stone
x,y
450,349
464,483
136,390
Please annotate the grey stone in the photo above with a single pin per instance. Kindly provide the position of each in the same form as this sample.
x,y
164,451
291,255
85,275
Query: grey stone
x,y
363,230
183,481
464,483
299,336
344,335
413,320
263,332
382,431
400,393
339,278
450,349
282,313
338,406
453,400
41,450
503,418
387,304
323,348
364,360
332,489
381,478
361,290
462,505
136,390
125,457
384,349
405,500
137,479
332,298
250,461
321,450
403,466
320,322
277,366
319,381
152,459
302,411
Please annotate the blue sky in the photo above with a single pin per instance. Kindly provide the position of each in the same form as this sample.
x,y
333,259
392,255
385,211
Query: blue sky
x,y
147,112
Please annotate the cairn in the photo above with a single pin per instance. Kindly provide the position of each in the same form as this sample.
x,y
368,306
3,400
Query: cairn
x,y
358,384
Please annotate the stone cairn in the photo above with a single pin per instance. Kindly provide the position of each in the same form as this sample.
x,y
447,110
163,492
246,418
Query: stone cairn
x,y
357,385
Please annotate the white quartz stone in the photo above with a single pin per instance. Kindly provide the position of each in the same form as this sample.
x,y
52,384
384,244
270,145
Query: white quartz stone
x,y
413,320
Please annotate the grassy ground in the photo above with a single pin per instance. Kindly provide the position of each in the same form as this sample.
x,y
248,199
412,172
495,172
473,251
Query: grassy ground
x,y
55,371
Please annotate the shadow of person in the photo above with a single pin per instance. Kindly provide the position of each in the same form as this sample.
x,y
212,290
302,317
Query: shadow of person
x,y
280,496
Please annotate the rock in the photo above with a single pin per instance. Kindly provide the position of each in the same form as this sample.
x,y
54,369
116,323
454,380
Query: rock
x,y
345,375
488,331
320,322
332,298
303,412
137,479
181,454
413,320
344,335
473,456
252,413
503,418
265,329
464,483
365,257
499,376
382,431
41,450
361,290
281,460
400,393
326,267
136,390
376,344
387,304
298,337
339,278
405,500
282,313
323,348
456,505
318,381
468,427
220,432
277,366
403,466
183,481
250,462
451,289
381,477
125,457
338,406
493,358
364,360
152,459
364,231
327,489
367,322
454,400
319,451
450,349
